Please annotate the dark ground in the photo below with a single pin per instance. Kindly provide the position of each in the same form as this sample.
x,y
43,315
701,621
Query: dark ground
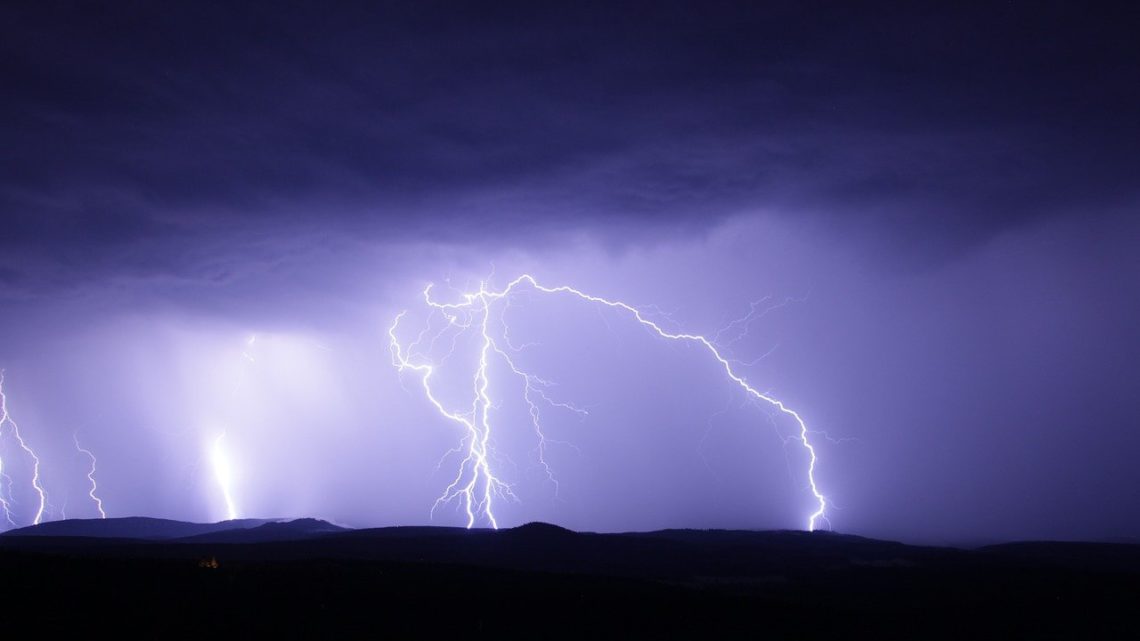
x,y
308,579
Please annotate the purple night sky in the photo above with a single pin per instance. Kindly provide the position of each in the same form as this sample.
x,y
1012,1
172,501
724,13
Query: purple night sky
x,y
941,207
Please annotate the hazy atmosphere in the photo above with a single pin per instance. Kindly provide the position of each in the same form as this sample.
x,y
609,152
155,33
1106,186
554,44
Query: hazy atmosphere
x,y
924,243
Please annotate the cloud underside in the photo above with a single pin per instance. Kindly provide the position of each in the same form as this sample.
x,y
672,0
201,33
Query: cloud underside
x,y
136,126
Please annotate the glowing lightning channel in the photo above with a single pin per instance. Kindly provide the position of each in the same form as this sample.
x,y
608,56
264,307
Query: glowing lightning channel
x,y
14,429
6,495
221,465
475,309
219,457
91,477
478,492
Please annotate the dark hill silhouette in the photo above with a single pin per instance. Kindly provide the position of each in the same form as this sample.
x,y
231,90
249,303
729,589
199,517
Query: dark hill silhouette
x,y
310,578
666,553
1109,557
133,527
538,528
542,546
675,553
295,530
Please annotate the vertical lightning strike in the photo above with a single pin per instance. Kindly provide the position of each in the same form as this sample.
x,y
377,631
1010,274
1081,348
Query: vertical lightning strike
x,y
478,491
6,495
14,429
220,459
476,307
91,477
222,474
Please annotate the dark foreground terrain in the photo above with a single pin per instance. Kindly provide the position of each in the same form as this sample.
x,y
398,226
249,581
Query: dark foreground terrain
x,y
154,578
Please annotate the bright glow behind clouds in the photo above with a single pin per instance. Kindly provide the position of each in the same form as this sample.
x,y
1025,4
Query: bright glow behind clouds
x,y
319,425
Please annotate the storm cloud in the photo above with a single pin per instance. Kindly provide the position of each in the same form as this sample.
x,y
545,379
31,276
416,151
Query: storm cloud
x,y
948,197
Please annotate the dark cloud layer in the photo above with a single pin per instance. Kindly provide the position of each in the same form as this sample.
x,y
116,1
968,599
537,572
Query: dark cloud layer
x,y
129,123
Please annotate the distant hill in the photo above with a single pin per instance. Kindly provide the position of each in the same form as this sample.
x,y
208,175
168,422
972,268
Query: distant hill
x,y
133,527
295,530
1108,557
549,548
275,578
659,554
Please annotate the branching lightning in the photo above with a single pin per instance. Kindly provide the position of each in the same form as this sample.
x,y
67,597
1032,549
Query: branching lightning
x,y
14,431
475,483
92,491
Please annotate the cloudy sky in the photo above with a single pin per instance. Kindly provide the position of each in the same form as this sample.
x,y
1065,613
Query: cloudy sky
x,y
210,216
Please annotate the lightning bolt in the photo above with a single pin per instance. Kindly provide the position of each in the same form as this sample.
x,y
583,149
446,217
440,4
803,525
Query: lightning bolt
x,y
483,484
91,477
6,495
475,484
222,474
14,430
219,457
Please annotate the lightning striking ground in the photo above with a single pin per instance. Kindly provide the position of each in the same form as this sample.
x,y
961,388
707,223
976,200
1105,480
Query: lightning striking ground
x,y
6,495
221,464
14,430
92,491
220,459
475,484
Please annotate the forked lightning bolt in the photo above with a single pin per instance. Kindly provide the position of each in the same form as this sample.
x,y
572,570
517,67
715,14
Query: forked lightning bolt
x,y
92,491
475,483
14,430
